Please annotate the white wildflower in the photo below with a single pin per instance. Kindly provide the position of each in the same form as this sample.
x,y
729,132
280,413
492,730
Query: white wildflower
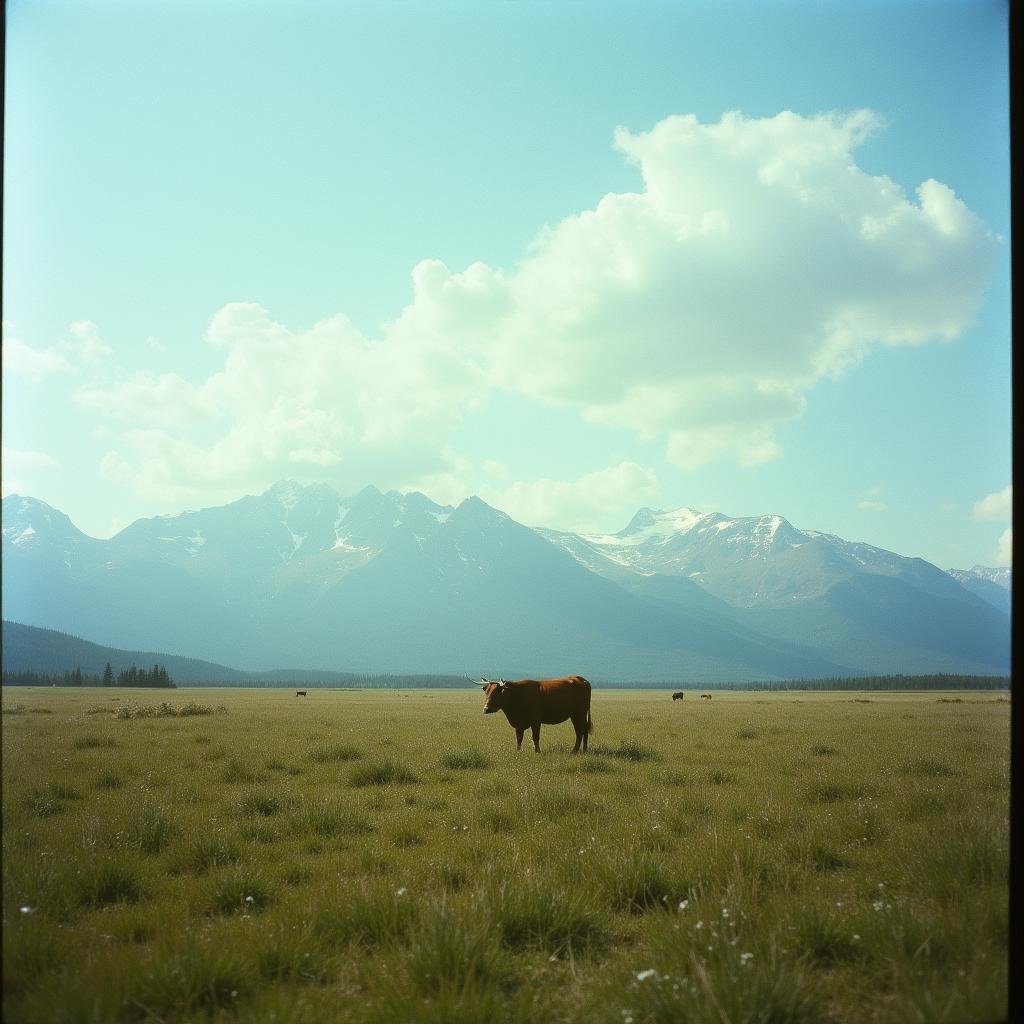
x,y
401,891
683,904
745,958
28,910
644,975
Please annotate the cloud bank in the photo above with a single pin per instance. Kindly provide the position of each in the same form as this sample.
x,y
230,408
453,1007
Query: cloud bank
x,y
582,504
998,507
995,506
756,259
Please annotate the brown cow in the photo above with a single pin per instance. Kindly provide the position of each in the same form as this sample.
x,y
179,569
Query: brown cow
x,y
531,703
678,695
705,696
300,693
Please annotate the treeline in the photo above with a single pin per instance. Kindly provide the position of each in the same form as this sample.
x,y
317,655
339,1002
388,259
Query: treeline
x,y
346,682
937,681
154,678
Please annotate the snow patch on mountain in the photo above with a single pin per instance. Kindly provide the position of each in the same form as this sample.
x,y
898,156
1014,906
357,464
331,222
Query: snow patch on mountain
x,y
20,537
1002,576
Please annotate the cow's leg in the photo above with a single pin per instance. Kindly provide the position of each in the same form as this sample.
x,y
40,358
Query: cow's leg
x,y
535,729
581,735
519,739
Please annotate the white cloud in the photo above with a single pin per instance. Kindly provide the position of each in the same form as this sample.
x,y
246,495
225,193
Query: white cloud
x,y
148,398
1004,554
16,462
995,506
757,259
326,398
86,346
871,502
578,505
24,361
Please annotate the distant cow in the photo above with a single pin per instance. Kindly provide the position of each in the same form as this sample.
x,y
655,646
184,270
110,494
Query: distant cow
x,y
678,695
705,696
300,693
531,703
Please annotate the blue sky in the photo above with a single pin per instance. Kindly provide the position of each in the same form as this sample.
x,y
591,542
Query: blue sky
x,y
575,258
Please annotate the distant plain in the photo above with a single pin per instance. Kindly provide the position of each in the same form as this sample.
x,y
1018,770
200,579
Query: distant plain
x,y
360,855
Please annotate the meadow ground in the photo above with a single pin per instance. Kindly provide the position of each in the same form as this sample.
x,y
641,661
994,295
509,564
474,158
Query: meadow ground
x,y
387,856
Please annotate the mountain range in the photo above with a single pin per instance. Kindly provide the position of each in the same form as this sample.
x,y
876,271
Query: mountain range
x,y
301,577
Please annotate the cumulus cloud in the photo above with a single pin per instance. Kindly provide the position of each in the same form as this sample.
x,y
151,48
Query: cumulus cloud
x,y
1004,553
16,462
84,348
997,506
326,398
85,344
24,361
579,505
148,398
756,259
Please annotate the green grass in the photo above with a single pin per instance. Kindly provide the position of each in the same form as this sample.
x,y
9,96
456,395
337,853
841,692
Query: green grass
x,y
767,859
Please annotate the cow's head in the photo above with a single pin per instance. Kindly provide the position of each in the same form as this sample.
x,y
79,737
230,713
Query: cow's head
x,y
494,692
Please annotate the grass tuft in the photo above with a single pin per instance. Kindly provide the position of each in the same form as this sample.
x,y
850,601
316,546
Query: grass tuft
x,y
627,750
91,741
465,759
154,829
235,890
107,882
370,916
235,771
382,773
265,805
326,820
210,850
202,978
555,918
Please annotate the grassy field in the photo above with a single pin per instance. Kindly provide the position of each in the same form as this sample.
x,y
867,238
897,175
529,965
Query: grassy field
x,y
387,856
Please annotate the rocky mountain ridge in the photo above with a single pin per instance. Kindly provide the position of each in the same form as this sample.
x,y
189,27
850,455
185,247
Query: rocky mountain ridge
x,y
374,582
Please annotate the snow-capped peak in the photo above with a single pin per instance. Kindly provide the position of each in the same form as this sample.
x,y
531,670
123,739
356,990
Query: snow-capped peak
x,y
651,525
